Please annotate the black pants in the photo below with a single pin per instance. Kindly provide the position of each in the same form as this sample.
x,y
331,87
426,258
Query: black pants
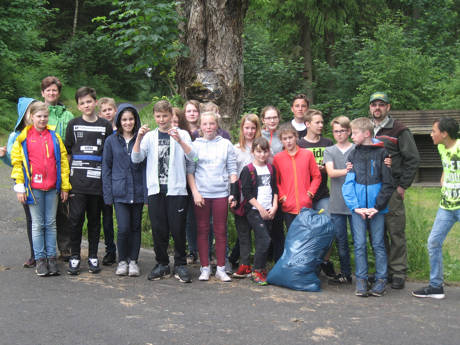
x,y
91,205
168,216
261,236
288,219
107,226
244,238
277,235
63,231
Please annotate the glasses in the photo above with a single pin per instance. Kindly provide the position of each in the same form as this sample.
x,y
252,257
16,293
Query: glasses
x,y
340,131
379,104
271,118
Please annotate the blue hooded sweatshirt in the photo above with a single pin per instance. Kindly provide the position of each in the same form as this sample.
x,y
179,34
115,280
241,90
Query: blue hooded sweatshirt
x,y
23,104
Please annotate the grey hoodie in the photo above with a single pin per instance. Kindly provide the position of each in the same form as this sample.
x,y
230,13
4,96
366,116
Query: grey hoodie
x,y
213,162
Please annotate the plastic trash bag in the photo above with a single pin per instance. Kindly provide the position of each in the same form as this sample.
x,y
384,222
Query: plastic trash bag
x,y
309,237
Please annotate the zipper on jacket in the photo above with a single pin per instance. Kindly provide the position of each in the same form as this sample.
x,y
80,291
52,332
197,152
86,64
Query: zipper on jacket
x,y
296,187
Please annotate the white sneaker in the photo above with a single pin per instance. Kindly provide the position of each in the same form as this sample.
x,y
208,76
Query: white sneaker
x,y
122,269
134,269
222,275
205,273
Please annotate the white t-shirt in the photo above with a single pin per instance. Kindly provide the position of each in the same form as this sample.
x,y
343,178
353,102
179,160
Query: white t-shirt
x,y
264,189
298,126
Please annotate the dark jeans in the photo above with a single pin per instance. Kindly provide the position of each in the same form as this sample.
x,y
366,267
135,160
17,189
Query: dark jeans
x,y
277,235
168,216
129,219
91,205
262,237
63,230
29,228
190,227
244,237
107,226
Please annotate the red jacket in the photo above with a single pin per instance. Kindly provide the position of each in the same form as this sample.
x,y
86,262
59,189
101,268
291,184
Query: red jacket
x,y
40,149
296,176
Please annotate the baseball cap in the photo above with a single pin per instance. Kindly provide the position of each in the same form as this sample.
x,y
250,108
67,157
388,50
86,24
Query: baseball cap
x,y
382,96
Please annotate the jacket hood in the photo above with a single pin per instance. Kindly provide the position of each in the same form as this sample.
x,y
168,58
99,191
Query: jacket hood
x,y
122,107
23,104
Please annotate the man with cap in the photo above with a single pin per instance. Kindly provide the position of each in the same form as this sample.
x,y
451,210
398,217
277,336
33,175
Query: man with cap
x,y
400,144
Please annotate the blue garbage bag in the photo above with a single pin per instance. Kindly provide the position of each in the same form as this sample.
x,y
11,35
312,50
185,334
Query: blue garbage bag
x,y
308,239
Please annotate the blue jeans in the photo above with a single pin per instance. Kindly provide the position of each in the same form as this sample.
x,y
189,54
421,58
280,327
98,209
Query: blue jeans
x,y
43,214
376,229
129,220
443,222
341,238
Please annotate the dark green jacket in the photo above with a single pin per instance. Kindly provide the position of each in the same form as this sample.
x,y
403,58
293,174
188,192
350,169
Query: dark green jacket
x,y
400,144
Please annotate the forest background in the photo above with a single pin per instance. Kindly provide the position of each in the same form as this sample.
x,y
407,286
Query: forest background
x,y
336,51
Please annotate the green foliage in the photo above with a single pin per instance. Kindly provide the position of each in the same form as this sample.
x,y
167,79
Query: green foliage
x,y
147,31
270,78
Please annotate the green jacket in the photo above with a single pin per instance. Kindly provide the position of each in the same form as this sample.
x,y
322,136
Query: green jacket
x,y
59,117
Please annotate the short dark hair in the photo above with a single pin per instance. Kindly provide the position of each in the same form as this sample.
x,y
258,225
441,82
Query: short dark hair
x,y
301,96
449,125
262,143
85,91
46,82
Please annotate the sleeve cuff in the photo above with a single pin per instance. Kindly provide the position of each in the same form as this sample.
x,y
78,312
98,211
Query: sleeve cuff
x,y
19,188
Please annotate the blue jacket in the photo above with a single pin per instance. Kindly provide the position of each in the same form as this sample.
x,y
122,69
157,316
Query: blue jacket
x,y
122,180
23,104
369,184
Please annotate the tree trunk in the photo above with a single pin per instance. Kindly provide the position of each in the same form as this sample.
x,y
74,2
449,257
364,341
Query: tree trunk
x,y
306,44
75,19
213,69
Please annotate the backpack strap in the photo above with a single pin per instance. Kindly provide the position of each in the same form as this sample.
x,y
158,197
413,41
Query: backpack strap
x,y
252,172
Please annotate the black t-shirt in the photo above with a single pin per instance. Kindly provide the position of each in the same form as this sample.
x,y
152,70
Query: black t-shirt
x,y
85,141
163,160
318,151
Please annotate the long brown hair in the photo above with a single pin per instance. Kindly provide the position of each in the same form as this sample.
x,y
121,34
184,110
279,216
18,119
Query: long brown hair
x,y
255,120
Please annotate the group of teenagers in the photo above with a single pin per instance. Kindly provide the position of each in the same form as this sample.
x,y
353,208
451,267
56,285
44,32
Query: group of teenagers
x,y
190,175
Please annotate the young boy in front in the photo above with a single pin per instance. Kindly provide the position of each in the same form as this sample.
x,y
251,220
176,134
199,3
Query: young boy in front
x,y
167,149
367,189
335,159
298,176
84,141
444,134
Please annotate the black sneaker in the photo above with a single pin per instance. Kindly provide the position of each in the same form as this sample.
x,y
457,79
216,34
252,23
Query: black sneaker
x,y
158,272
181,272
53,267
42,267
328,269
429,291
191,258
74,266
340,279
109,258
93,265
397,283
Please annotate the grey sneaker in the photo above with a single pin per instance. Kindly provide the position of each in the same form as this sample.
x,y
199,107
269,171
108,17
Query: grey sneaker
x,y
122,269
52,267
159,271
181,272
361,287
228,267
378,289
133,269
42,267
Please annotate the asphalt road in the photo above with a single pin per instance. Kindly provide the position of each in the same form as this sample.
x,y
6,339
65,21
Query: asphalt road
x,y
106,309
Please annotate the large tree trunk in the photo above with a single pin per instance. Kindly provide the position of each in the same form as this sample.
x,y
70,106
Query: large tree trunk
x,y
306,43
75,19
213,70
